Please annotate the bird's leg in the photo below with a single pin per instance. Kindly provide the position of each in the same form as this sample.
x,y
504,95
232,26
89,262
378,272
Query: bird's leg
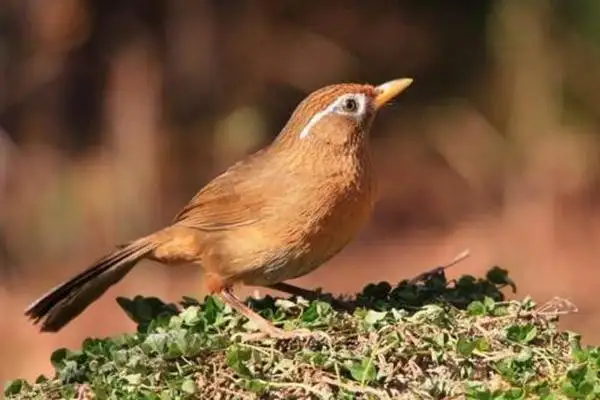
x,y
266,327
229,298
309,295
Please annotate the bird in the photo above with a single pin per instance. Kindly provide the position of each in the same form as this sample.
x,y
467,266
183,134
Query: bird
x,y
275,215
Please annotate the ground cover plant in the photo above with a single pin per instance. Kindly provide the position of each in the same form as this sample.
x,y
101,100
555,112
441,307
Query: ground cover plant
x,y
427,338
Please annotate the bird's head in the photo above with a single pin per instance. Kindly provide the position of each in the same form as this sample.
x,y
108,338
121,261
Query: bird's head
x,y
338,115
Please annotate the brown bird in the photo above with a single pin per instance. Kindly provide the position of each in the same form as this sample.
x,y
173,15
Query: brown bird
x,y
276,215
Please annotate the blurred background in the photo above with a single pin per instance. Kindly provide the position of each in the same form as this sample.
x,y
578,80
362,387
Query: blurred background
x,y
113,113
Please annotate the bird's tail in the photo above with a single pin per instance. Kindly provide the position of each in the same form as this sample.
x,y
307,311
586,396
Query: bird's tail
x,y
66,301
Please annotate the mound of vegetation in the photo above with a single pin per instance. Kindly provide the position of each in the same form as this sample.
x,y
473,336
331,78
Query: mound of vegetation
x,y
426,339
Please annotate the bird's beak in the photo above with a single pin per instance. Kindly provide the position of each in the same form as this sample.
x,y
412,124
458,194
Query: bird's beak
x,y
389,90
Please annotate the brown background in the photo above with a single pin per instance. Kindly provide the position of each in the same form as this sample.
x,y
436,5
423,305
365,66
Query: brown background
x,y
114,113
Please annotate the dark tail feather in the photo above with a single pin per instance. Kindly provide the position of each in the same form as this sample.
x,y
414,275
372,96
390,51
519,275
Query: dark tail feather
x,y
68,300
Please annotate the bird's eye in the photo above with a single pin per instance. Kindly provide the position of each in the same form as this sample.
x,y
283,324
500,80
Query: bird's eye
x,y
349,105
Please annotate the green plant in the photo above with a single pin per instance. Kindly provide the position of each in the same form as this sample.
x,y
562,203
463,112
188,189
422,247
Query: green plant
x,y
431,339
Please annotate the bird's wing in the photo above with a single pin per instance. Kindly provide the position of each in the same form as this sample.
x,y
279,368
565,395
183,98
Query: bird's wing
x,y
233,199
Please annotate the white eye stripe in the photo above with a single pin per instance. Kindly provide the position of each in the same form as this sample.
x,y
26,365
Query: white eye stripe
x,y
316,118
337,107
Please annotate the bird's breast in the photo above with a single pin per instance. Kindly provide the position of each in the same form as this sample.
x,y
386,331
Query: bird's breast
x,y
307,226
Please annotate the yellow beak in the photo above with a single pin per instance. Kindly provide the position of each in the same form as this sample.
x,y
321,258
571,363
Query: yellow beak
x,y
389,90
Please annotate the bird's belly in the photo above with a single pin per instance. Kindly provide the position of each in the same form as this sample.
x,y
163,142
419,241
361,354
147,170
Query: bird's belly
x,y
275,272
283,251
286,264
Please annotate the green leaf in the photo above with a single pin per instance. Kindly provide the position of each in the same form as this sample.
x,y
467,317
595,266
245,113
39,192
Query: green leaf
x,y
286,305
134,379
316,311
465,346
212,308
530,333
524,355
372,316
144,309
500,311
257,386
476,308
311,313
190,315
363,371
521,333
577,391
483,345
14,387
237,359
506,368
541,389
155,343
577,375
58,357
499,276
489,303
512,394
189,386
466,282
377,291
476,391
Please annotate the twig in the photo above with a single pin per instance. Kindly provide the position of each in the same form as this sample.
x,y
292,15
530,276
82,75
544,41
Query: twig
x,y
557,306
83,392
355,388
296,385
434,271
